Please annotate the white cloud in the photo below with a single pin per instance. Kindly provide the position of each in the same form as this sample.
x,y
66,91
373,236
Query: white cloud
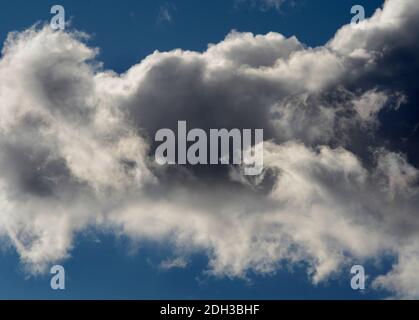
x,y
166,13
75,145
266,4
177,263
403,280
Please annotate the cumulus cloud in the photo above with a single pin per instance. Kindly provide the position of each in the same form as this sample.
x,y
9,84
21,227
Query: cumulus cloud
x,y
340,183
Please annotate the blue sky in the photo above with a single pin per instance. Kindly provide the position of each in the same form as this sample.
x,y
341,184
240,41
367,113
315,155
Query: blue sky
x,y
103,266
108,270
129,30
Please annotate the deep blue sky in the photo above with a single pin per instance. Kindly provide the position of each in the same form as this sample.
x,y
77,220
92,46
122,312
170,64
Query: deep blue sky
x,y
126,31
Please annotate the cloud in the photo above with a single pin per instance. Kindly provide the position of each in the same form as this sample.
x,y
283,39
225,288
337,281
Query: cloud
x,y
178,263
273,3
266,4
402,280
166,13
340,184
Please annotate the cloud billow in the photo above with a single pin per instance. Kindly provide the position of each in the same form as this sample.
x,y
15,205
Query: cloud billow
x,y
340,183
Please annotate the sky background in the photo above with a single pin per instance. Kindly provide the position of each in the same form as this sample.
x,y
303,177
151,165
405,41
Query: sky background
x,y
104,266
